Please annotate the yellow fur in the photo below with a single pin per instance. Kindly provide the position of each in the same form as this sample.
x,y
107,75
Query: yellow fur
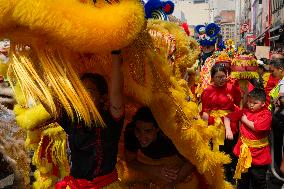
x,y
3,69
265,78
53,144
33,117
80,27
186,51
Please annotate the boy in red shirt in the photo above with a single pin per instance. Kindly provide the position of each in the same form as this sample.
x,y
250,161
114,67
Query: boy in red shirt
x,y
252,147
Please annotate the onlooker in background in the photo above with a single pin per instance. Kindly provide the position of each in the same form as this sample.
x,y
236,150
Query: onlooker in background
x,y
269,82
277,69
277,56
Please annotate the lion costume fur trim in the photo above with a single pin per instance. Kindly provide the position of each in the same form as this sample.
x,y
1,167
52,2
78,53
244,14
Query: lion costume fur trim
x,y
74,24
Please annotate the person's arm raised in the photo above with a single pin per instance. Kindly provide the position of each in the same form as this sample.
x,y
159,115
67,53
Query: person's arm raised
x,y
116,86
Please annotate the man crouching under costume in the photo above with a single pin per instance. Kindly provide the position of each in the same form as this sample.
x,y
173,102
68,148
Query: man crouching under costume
x,y
152,159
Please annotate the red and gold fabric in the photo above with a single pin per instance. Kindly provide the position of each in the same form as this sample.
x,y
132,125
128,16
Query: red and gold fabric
x,y
244,67
218,128
218,102
220,98
245,157
255,140
205,78
109,181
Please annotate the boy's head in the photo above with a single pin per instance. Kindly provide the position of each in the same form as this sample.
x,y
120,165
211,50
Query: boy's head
x,y
97,87
256,99
146,127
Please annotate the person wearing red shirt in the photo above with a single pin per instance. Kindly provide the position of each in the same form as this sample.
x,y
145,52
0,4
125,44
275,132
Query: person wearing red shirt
x,y
221,95
269,82
252,147
218,99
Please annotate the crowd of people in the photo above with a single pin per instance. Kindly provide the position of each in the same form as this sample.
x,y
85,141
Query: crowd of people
x,y
151,157
245,133
241,120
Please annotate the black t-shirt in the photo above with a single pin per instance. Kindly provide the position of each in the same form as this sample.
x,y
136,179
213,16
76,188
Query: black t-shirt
x,y
162,147
94,150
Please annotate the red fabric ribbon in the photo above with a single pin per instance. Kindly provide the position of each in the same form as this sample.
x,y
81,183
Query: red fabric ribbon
x,y
244,68
96,183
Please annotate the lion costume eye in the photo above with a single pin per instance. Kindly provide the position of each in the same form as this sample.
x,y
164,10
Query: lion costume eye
x,y
211,32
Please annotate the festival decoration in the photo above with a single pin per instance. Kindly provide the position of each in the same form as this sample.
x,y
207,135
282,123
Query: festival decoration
x,y
157,9
205,76
207,34
64,46
209,39
244,67
223,58
230,47
184,25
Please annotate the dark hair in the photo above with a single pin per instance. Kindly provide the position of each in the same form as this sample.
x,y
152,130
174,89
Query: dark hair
x,y
98,80
246,53
218,67
258,94
145,114
262,67
277,63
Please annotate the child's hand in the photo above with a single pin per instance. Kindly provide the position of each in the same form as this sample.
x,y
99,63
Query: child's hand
x,y
229,135
244,118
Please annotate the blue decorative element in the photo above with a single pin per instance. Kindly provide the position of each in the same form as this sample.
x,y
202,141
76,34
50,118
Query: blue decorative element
x,y
200,29
220,43
208,35
158,9
158,14
188,99
212,30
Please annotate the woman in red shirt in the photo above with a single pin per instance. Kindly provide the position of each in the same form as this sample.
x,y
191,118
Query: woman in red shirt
x,y
219,99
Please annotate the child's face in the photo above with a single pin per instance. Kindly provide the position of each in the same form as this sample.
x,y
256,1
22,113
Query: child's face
x,y
254,104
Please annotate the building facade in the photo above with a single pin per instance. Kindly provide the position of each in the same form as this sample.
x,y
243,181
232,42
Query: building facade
x,y
265,19
195,12
277,25
226,20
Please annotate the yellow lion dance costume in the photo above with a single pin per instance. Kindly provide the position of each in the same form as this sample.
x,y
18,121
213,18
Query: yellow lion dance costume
x,y
68,37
